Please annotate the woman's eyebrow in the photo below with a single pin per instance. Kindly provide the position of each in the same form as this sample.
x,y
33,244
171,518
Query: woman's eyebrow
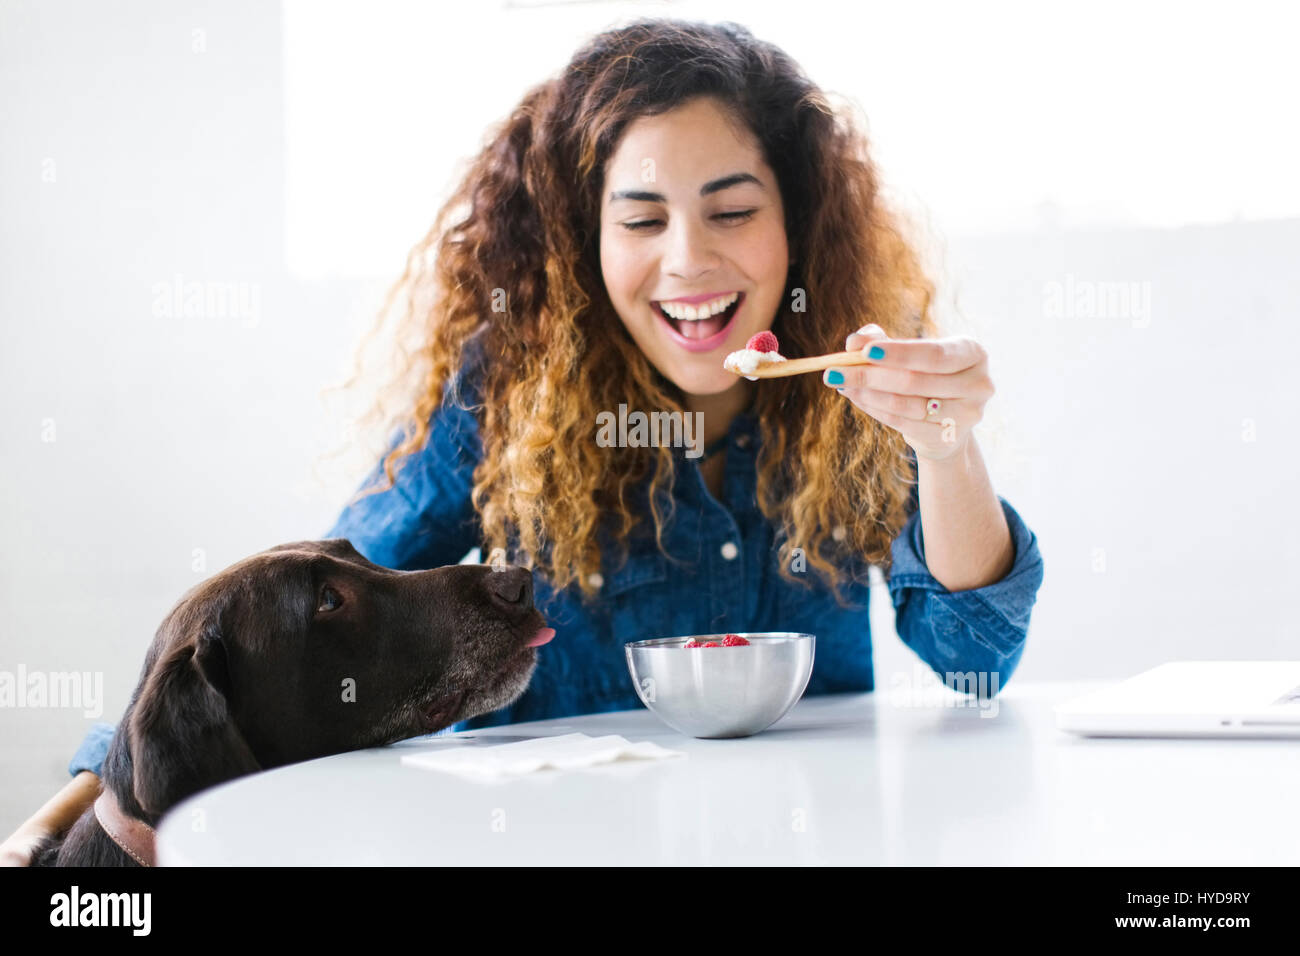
x,y
716,185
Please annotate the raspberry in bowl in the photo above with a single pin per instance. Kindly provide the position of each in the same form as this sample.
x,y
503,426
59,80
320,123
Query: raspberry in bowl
x,y
721,685
731,640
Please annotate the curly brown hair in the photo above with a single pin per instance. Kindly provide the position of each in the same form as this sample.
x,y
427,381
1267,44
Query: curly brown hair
x,y
513,255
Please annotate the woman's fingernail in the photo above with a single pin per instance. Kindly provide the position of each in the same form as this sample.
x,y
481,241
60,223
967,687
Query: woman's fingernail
x,y
876,352
833,377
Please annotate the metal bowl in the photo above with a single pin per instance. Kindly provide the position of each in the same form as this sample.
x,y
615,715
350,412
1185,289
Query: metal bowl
x,y
717,692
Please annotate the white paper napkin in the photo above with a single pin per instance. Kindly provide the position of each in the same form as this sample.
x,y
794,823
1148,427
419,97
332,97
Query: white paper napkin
x,y
563,752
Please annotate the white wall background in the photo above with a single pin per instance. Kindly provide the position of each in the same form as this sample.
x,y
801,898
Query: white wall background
x,y
295,153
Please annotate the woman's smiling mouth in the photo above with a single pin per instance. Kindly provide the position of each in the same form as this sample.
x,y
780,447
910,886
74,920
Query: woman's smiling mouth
x,y
699,334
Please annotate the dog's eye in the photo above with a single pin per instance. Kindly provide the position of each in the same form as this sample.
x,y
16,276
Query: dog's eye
x,y
330,600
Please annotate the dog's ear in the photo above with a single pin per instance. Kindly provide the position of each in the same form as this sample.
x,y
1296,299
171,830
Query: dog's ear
x,y
183,737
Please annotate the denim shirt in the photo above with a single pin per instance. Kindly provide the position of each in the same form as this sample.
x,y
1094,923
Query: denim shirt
x,y
725,578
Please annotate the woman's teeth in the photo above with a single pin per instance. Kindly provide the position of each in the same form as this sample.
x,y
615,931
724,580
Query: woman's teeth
x,y
704,310
703,320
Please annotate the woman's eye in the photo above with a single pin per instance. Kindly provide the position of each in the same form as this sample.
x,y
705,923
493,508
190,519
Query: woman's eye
x,y
330,600
731,217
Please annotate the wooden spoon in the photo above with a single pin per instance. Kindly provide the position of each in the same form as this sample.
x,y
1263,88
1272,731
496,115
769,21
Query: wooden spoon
x,y
814,363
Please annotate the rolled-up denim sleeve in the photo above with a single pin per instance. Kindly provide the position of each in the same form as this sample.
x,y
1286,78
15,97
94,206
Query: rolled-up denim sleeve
x,y
981,631
94,748
426,519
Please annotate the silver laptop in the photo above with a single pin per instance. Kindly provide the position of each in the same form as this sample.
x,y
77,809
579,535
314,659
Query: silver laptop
x,y
1193,699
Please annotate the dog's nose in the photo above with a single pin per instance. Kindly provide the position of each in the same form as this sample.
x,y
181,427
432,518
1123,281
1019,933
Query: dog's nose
x,y
511,586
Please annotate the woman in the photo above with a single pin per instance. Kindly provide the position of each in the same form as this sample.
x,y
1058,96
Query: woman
x,y
691,169
675,161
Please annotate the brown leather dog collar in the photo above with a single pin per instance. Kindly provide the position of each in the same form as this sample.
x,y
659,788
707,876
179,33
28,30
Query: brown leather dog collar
x,y
135,837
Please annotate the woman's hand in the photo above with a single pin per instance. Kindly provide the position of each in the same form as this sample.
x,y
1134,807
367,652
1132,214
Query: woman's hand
x,y
905,380
967,540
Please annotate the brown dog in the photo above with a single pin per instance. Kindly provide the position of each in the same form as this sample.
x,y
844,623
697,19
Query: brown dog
x,y
299,652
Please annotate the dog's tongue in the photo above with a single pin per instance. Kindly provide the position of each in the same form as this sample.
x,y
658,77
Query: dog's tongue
x,y
542,637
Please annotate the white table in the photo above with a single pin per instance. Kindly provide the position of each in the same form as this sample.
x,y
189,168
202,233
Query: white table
x,y
895,777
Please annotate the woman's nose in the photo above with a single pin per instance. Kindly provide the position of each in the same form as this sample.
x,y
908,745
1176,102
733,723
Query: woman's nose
x,y
689,252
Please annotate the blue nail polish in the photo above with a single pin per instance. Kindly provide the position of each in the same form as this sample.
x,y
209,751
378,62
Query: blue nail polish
x,y
876,352
833,377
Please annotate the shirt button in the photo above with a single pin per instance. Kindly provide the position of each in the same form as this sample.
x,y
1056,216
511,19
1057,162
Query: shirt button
x,y
742,441
596,580
840,532
729,551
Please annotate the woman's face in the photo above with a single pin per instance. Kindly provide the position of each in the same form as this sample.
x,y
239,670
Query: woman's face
x,y
691,216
